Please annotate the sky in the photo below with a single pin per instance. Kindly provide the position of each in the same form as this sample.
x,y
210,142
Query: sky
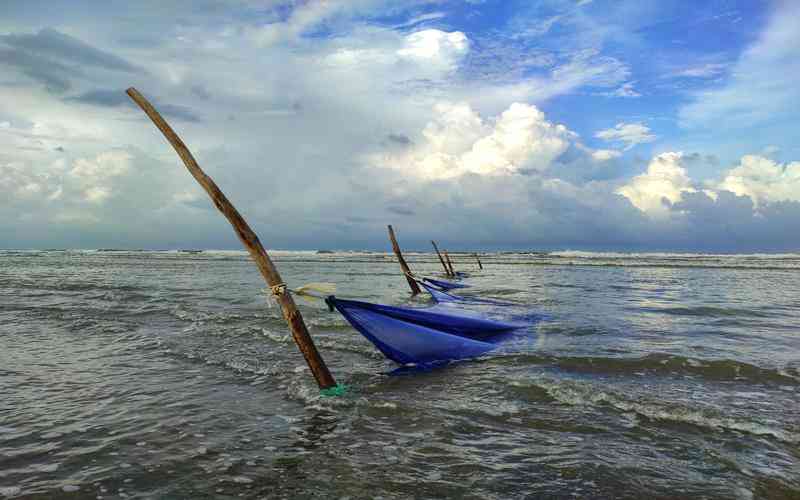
x,y
483,124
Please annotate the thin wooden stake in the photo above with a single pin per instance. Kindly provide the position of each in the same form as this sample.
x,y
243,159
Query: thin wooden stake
x,y
403,265
250,242
446,271
480,266
449,263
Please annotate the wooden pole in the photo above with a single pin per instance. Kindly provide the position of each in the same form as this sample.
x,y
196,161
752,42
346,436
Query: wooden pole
x,y
403,265
480,266
449,263
446,271
251,243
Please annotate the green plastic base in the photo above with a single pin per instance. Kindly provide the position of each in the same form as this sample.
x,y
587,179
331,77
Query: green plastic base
x,y
337,390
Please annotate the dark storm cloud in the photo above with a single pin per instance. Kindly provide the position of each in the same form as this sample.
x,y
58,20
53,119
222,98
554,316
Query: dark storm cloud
x,y
51,44
730,222
114,98
400,139
52,74
401,211
110,98
55,59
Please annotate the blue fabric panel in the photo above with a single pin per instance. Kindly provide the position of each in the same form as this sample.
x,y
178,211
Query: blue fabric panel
x,y
411,335
444,285
443,297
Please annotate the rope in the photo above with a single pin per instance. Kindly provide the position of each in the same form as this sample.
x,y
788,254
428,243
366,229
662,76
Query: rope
x,y
279,289
411,275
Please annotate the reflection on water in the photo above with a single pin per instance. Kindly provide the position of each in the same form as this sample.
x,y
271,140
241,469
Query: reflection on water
x,y
168,375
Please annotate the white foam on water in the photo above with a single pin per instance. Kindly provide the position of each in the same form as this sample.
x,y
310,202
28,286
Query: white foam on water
x,y
578,395
70,488
10,491
242,480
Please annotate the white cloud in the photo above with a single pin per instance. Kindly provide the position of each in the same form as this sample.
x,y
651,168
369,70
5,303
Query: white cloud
x,y
665,182
605,154
661,185
435,47
624,90
763,180
587,67
303,17
383,58
459,142
95,176
707,70
762,84
629,134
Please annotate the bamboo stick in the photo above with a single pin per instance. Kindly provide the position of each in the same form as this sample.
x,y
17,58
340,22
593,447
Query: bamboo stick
x,y
449,263
403,265
480,266
251,243
446,271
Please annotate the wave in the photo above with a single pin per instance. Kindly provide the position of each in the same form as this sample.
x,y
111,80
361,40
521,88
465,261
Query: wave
x,y
666,364
579,394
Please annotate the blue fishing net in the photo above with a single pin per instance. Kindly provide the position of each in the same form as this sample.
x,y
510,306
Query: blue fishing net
x,y
417,335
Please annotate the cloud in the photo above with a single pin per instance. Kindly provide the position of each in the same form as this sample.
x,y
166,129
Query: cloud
x,y
629,134
55,59
587,67
54,75
433,46
50,43
323,121
707,70
115,98
458,142
763,180
605,154
625,90
763,82
425,54
662,185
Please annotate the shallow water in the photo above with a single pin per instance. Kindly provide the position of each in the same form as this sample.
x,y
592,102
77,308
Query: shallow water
x,y
169,375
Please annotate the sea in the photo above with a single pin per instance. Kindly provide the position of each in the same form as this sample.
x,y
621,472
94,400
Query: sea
x,y
171,374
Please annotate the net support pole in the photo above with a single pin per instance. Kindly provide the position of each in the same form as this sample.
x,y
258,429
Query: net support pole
x,y
480,266
250,241
449,263
403,265
446,271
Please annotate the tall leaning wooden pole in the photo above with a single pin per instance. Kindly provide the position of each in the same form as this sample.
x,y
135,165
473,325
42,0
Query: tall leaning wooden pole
x,y
251,243
403,265
446,271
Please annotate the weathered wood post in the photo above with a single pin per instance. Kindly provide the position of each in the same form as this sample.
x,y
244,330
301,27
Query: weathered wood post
x,y
449,263
251,243
480,266
446,271
403,265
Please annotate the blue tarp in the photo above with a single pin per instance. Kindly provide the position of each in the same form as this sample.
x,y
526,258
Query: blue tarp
x,y
444,285
443,297
423,335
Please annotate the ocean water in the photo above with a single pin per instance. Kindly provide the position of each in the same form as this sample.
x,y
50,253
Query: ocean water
x,y
170,375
